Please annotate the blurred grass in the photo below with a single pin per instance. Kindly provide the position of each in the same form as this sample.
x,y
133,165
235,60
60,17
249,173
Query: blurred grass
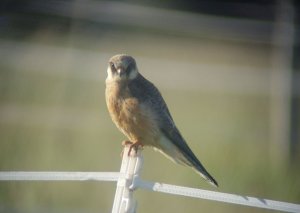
x,y
60,122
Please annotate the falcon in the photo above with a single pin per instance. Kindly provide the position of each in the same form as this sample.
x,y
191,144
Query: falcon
x,y
139,111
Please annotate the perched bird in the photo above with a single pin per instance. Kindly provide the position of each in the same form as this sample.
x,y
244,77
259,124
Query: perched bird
x,y
139,111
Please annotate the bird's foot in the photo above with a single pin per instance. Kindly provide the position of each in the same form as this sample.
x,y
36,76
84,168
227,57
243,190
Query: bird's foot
x,y
125,143
135,146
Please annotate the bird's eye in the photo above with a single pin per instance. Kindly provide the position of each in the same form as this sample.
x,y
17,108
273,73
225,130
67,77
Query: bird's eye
x,y
112,66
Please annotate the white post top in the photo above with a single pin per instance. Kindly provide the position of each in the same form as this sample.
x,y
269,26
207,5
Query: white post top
x,y
130,171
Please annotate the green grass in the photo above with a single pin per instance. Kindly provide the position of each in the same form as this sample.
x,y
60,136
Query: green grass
x,y
60,122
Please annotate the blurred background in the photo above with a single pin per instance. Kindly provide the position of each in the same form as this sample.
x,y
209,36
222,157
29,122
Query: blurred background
x,y
228,70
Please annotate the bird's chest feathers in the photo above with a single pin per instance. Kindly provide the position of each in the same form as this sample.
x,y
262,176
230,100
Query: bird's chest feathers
x,y
129,114
121,105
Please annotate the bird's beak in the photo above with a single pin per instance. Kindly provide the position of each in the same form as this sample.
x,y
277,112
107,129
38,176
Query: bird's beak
x,y
120,71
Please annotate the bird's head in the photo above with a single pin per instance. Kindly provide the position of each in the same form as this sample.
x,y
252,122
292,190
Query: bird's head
x,y
121,67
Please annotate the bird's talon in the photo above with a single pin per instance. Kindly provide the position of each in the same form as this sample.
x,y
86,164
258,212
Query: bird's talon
x,y
135,146
125,143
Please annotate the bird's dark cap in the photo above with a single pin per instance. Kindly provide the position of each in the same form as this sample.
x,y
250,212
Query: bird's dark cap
x,y
122,59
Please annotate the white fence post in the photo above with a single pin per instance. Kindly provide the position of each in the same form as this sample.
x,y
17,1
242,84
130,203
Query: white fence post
x,y
130,170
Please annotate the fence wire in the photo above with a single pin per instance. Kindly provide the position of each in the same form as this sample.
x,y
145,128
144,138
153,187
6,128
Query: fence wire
x,y
59,176
153,186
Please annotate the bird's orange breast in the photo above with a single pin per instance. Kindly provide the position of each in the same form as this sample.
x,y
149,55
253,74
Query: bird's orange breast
x,y
131,116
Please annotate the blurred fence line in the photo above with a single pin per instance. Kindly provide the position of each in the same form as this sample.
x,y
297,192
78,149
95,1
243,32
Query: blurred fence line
x,y
281,86
121,13
22,56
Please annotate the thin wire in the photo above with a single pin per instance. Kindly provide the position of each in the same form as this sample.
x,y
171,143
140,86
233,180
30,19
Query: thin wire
x,y
219,196
153,186
59,176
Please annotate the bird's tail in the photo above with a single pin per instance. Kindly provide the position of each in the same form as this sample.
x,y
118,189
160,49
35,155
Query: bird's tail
x,y
201,171
195,164
186,157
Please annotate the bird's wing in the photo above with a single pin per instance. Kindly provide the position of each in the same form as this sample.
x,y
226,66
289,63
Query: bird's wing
x,y
145,91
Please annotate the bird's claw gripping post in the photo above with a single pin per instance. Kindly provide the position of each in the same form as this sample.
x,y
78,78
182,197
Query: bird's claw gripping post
x,y
128,180
135,146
